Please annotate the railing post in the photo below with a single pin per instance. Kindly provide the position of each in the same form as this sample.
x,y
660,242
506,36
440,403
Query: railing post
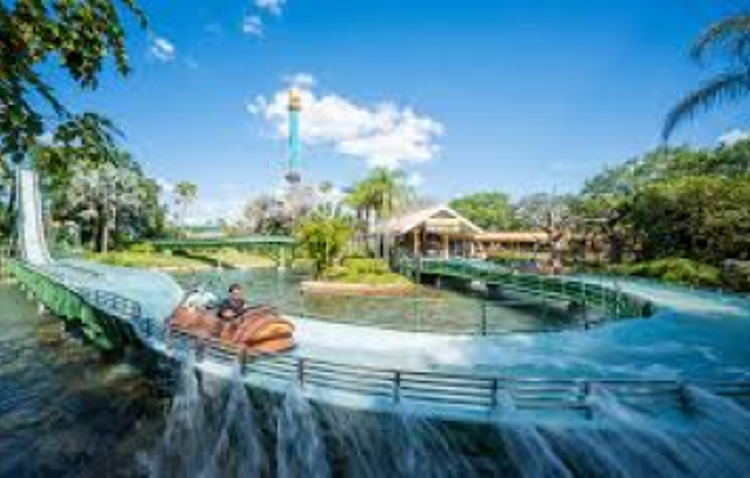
x,y
483,325
417,321
397,387
301,372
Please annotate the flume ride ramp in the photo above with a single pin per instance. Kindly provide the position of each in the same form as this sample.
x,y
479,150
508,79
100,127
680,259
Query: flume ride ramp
x,y
31,238
113,305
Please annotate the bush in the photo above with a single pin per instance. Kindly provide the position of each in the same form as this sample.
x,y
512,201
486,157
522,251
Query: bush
x,y
677,270
736,275
142,248
366,266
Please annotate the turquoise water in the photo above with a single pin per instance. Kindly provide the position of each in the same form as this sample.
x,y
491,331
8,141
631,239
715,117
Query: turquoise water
x,y
427,309
67,411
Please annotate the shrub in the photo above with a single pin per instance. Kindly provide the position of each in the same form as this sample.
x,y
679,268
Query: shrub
x,y
142,248
677,270
736,275
366,266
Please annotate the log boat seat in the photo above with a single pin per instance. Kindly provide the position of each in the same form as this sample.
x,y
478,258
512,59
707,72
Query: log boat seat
x,y
260,330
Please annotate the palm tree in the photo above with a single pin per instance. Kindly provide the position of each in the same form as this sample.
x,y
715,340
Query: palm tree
x,y
383,193
185,195
728,39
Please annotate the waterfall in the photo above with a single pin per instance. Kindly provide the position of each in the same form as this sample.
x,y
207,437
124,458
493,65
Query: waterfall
x,y
300,450
182,451
710,437
238,451
713,438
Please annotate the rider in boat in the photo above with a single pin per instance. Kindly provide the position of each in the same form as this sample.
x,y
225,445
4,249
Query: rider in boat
x,y
234,306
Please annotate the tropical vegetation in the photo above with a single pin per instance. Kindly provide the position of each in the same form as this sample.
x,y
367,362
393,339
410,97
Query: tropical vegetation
x,y
726,41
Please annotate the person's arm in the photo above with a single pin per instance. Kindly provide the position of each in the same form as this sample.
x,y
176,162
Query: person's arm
x,y
226,311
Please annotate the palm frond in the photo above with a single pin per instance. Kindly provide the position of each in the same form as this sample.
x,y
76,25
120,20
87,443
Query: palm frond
x,y
728,86
732,31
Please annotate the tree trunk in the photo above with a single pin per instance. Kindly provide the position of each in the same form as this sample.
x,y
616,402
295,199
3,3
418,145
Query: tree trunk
x,y
102,233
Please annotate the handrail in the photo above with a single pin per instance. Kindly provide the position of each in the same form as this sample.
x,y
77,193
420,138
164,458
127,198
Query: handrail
x,y
480,393
608,298
110,303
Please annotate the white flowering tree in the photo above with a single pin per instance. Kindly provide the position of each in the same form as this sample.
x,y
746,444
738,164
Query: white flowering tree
x,y
102,195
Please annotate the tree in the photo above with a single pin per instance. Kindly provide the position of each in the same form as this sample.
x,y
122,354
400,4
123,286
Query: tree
x,y
383,193
552,214
266,215
729,40
489,210
79,35
86,139
185,195
324,239
101,195
703,218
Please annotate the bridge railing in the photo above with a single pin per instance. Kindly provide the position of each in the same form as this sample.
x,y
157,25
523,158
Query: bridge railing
x,y
607,297
64,296
482,394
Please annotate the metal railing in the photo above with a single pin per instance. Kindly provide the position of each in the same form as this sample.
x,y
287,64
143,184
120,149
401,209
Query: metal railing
x,y
453,392
605,296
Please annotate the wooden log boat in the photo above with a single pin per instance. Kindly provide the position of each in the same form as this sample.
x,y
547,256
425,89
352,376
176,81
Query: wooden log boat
x,y
259,330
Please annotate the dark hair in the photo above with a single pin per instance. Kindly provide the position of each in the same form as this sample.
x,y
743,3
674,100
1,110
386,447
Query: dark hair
x,y
234,287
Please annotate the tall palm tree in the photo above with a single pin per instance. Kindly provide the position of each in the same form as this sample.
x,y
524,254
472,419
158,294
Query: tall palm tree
x,y
728,40
384,192
185,195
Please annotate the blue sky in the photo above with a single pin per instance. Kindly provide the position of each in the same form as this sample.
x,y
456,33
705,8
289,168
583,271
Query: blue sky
x,y
466,95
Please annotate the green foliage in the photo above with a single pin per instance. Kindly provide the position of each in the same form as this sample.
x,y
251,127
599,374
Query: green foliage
x,y
323,239
384,191
737,275
366,266
729,41
491,211
364,271
677,270
78,35
142,248
703,218
145,260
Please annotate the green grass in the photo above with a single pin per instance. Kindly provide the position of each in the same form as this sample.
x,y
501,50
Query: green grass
x,y
240,259
144,260
364,271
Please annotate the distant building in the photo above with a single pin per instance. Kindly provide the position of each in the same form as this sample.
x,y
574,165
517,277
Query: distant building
x,y
443,232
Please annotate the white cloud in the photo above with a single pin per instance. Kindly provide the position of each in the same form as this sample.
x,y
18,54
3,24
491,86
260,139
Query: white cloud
x,y
733,136
162,49
252,25
274,7
384,134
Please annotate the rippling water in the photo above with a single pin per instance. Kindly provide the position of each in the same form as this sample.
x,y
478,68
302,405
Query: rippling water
x,y
64,409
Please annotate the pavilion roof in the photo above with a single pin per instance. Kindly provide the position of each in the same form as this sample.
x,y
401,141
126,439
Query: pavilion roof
x,y
438,214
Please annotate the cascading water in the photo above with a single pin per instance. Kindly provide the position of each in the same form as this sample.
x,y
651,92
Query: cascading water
x,y
300,449
623,441
238,450
202,440
711,437
182,450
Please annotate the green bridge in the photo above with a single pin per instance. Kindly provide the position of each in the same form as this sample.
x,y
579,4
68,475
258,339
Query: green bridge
x,y
576,291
